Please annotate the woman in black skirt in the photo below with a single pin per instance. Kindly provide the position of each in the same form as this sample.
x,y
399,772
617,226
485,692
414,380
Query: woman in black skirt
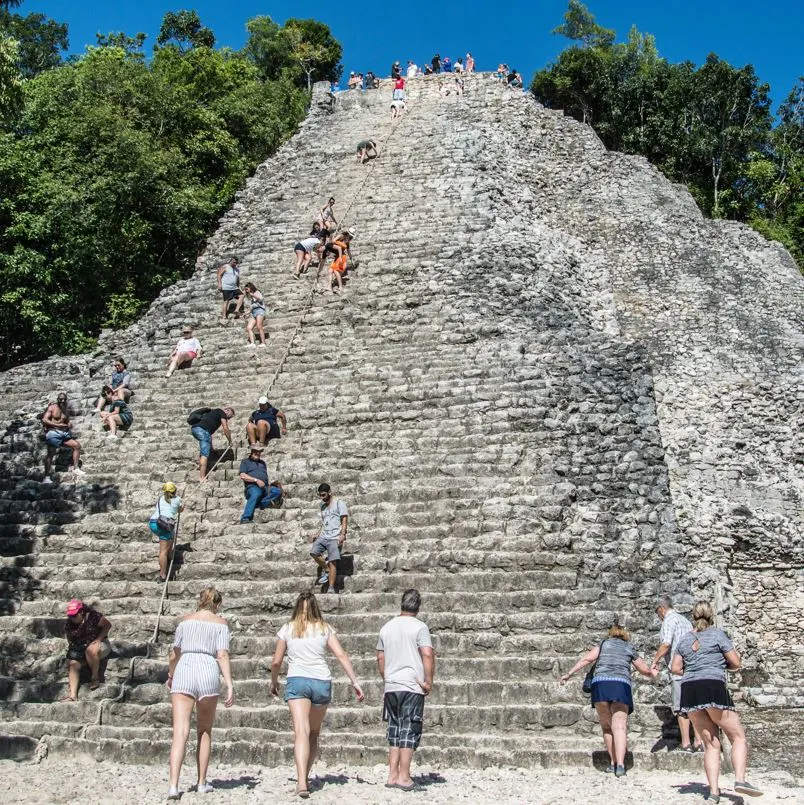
x,y
704,655
611,690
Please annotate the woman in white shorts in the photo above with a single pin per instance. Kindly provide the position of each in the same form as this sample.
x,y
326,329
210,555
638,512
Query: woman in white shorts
x,y
308,688
199,657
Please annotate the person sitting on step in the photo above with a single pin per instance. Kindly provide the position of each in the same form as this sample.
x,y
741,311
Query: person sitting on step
x,y
187,349
257,314
306,248
229,286
120,384
203,423
86,631
56,422
163,523
262,425
514,79
260,492
330,539
366,150
115,413
458,68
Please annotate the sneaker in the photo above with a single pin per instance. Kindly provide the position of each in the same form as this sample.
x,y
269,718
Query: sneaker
x,y
47,480
744,787
77,471
610,768
204,788
174,793
245,521
715,798
332,590
619,771
323,578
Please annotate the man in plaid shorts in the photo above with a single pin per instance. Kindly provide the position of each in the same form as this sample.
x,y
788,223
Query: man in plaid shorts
x,y
406,661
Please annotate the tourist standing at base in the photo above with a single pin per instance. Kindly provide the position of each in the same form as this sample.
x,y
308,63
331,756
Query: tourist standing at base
x,y
163,522
306,638
86,631
56,422
406,662
704,655
674,627
327,543
611,690
200,656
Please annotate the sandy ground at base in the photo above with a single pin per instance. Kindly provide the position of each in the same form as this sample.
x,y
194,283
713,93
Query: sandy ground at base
x,y
88,782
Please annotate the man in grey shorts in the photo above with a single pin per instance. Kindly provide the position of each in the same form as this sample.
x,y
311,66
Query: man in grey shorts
x,y
674,627
329,541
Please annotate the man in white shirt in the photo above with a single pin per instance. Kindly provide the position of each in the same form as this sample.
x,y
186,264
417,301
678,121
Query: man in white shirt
x,y
329,541
412,70
406,662
674,627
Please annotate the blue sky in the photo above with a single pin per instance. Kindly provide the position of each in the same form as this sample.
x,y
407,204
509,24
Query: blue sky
x,y
768,35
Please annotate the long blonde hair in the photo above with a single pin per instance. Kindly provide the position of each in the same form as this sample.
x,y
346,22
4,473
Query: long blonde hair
x,y
209,599
306,614
703,616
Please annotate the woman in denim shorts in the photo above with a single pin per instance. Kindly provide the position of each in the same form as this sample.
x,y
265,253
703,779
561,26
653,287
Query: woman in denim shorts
x,y
308,689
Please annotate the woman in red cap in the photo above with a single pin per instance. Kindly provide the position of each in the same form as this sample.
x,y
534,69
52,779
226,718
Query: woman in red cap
x,y
86,631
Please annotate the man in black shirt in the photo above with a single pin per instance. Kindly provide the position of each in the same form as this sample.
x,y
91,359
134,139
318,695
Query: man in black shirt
x,y
259,491
203,425
262,424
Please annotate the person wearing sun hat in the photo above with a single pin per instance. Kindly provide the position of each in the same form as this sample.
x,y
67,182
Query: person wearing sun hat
x,y
259,491
163,524
86,630
187,349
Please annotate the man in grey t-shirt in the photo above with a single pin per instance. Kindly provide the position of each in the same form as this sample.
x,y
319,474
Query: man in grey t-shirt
x,y
674,627
406,663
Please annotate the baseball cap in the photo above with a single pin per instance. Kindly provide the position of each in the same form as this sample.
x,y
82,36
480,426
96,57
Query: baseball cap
x,y
258,446
262,401
168,486
74,607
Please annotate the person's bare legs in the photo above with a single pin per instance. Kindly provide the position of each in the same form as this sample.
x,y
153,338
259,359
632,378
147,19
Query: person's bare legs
x,y
332,569
49,454
251,432
261,328
238,311
619,729
321,562
393,765
604,716
300,714
164,557
204,717
182,710
224,306
688,734
75,446
300,255
113,421
729,722
250,331
202,467
263,428
403,769
317,713
93,660
708,730
73,677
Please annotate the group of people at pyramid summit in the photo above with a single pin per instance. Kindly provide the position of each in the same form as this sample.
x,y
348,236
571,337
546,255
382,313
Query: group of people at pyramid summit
x,y
699,655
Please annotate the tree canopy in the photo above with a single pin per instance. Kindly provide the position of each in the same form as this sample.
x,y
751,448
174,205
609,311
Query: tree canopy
x,y
116,167
710,127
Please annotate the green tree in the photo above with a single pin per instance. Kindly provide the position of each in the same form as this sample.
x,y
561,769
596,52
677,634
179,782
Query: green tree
x,y
10,78
579,25
41,41
117,39
267,47
183,29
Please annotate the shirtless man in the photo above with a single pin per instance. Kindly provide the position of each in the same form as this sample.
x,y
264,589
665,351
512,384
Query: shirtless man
x,y
56,422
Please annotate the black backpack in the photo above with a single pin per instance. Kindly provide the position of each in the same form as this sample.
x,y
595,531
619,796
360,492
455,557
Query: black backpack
x,y
196,416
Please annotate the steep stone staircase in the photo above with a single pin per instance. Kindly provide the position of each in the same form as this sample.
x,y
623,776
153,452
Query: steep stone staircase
x,y
471,396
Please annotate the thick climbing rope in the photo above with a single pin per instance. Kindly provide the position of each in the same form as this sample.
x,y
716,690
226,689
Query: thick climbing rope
x,y
306,308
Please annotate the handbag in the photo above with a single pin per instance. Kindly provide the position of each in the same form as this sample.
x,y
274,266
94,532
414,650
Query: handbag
x,y
165,523
590,674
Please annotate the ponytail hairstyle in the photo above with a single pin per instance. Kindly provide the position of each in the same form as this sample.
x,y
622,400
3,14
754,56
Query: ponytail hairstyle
x,y
703,616
618,632
210,599
307,616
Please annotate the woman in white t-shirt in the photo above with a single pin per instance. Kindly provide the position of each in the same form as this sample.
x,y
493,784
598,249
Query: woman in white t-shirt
x,y
187,349
305,639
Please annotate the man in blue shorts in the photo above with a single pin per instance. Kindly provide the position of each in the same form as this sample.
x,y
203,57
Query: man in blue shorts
x,y
203,423
56,422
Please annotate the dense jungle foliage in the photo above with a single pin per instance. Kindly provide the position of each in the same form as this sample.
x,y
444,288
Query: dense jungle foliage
x,y
116,165
710,127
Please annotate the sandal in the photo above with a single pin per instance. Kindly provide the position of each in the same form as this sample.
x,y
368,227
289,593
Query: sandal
x,y
94,684
68,698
